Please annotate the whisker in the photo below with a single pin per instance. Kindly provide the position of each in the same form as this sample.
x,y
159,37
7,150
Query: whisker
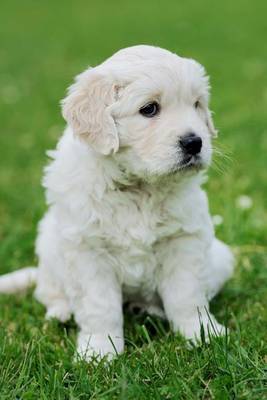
x,y
221,160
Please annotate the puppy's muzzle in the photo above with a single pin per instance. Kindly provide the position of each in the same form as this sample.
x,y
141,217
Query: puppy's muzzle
x,y
191,144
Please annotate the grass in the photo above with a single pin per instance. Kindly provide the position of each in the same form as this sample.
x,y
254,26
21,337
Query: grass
x,y
43,45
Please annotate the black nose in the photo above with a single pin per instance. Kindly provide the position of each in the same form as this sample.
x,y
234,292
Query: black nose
x,y
191,144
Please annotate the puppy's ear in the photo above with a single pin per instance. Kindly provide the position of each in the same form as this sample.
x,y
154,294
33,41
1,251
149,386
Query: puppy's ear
x,y
87,110
210,124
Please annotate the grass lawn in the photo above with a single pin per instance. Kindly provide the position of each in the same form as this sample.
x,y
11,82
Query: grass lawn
x,y
43,45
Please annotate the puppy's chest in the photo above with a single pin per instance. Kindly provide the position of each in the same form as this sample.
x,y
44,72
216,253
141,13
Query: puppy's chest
x,y
137,220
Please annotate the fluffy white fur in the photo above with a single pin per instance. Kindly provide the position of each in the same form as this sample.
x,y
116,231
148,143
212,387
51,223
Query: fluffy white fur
x,y
126,219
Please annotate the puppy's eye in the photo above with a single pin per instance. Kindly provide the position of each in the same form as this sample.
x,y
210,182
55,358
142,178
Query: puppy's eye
x,y
150,109
197,104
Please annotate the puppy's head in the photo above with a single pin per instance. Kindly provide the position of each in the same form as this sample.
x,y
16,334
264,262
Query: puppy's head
x,y
147,108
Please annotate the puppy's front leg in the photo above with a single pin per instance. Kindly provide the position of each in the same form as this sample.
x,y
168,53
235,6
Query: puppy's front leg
x,y
98,308
181,289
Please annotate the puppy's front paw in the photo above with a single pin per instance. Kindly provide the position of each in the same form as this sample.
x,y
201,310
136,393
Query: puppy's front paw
x,y
193,329
99,345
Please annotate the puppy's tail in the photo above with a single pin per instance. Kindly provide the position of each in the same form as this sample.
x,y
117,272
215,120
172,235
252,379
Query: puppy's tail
x,y
18,281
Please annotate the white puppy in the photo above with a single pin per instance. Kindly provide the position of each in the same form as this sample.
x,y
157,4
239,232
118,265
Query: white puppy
x,y
127,217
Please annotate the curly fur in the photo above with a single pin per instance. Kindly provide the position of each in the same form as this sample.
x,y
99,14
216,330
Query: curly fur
x,y
126,221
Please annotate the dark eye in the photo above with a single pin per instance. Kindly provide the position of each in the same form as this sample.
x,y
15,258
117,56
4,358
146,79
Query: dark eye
x,y
150,109
197,104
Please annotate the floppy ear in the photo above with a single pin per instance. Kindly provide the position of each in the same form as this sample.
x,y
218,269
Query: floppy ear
x,y
87,110
212,129
207,114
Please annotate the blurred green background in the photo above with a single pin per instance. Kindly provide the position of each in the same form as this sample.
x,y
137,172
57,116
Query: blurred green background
x,y
43,45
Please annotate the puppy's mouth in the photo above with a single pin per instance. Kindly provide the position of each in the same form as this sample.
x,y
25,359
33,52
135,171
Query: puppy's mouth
x,y
191,163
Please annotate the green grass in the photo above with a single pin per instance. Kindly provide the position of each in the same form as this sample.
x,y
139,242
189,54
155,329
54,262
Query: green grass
x,y
43,45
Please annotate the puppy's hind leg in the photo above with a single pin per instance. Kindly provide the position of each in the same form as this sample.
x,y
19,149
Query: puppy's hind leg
x,y
50,292
51,276
221,265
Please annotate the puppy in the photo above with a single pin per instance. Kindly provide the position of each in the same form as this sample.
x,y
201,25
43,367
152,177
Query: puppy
x,y
127,218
